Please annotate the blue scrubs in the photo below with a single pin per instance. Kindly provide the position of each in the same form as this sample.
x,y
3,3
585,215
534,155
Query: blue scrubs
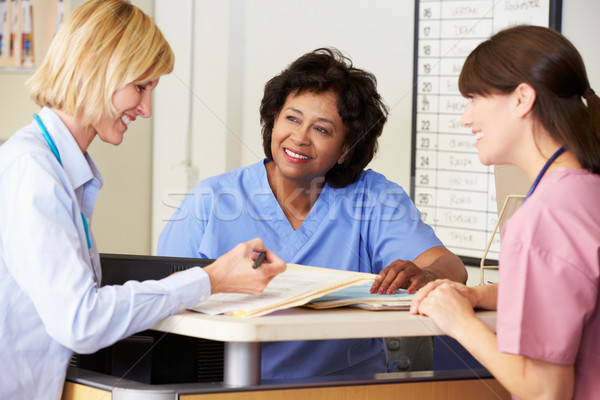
x,y
362,227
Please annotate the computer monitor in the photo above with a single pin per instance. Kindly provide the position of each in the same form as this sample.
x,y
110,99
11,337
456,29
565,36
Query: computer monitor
x,y
511,187
120,268
510,180
154,357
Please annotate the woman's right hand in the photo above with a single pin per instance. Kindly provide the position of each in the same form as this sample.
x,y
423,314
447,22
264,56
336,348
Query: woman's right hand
x,y
233,272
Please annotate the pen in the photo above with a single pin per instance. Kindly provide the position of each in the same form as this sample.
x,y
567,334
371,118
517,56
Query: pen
x,y
260,259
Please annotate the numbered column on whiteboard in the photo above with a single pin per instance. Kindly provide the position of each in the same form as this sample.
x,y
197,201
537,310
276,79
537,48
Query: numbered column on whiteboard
x,y
453,190
427,104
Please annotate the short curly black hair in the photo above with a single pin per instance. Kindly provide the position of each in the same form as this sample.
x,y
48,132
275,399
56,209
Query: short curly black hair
x,y
359,105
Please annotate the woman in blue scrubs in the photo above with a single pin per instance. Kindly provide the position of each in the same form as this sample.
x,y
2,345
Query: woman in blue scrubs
x,y
312,202
97,78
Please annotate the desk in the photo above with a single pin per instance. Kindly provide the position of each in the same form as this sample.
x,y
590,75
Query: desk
x,y
242,378
242,336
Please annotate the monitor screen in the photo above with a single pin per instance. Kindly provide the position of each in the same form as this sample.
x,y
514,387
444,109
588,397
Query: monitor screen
x,y
510,181
120,268
154,357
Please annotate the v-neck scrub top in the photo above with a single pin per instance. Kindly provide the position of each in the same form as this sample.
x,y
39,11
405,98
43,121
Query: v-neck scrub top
x,y
362,227
548,301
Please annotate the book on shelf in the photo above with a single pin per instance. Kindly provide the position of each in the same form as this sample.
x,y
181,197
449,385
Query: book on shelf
x,y
26,29
298,285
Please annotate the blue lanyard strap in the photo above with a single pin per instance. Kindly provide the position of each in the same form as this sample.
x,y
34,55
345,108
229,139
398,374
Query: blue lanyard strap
x,y
87,233
52,146
543,171
48,138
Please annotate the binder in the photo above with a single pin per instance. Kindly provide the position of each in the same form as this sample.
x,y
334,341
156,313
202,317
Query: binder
x,y
26,34
3,30
14,33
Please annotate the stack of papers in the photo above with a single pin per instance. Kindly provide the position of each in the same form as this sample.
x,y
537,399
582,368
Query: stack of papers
x,y
360,296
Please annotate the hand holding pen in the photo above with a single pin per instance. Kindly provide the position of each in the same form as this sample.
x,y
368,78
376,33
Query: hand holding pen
x,y
259,259
237,271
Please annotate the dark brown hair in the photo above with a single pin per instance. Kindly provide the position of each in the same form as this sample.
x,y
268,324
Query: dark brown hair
x,y
360,107
548,62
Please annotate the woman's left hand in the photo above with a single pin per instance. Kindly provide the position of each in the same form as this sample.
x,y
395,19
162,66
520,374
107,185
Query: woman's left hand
x,y
401,274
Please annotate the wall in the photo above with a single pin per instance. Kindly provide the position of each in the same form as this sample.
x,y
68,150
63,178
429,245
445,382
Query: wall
x,y
16,108
121,221
238,46
581,27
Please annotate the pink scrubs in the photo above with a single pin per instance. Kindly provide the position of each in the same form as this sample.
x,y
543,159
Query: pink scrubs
x,y
548,304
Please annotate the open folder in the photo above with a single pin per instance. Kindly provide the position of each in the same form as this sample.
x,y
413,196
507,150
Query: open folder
x,y
298,285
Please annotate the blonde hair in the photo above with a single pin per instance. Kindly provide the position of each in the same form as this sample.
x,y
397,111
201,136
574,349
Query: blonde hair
x,y
102,47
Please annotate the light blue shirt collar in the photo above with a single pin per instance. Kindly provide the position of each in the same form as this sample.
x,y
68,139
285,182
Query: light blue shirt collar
x,y
78,166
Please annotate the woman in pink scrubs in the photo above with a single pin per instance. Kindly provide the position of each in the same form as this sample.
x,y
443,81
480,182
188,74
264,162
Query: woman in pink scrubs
x,y
531,105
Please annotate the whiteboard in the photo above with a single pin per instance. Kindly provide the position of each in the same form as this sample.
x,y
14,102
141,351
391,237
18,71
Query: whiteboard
x,y
455,193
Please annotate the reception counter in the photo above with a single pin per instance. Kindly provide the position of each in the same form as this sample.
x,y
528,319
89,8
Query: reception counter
x,y
241,375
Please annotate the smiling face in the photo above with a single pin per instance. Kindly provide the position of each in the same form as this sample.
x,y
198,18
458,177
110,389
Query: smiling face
x,y
308,138
129,102
491,121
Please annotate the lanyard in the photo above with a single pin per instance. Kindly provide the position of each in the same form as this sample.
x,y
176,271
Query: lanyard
x,y
54,149
543,171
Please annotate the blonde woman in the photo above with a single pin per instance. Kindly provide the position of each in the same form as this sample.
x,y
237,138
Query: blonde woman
x,y
97,79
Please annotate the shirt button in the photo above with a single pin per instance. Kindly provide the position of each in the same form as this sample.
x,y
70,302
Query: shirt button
x,y
180,306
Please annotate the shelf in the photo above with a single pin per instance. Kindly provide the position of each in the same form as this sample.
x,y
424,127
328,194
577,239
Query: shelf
x,y
15,70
